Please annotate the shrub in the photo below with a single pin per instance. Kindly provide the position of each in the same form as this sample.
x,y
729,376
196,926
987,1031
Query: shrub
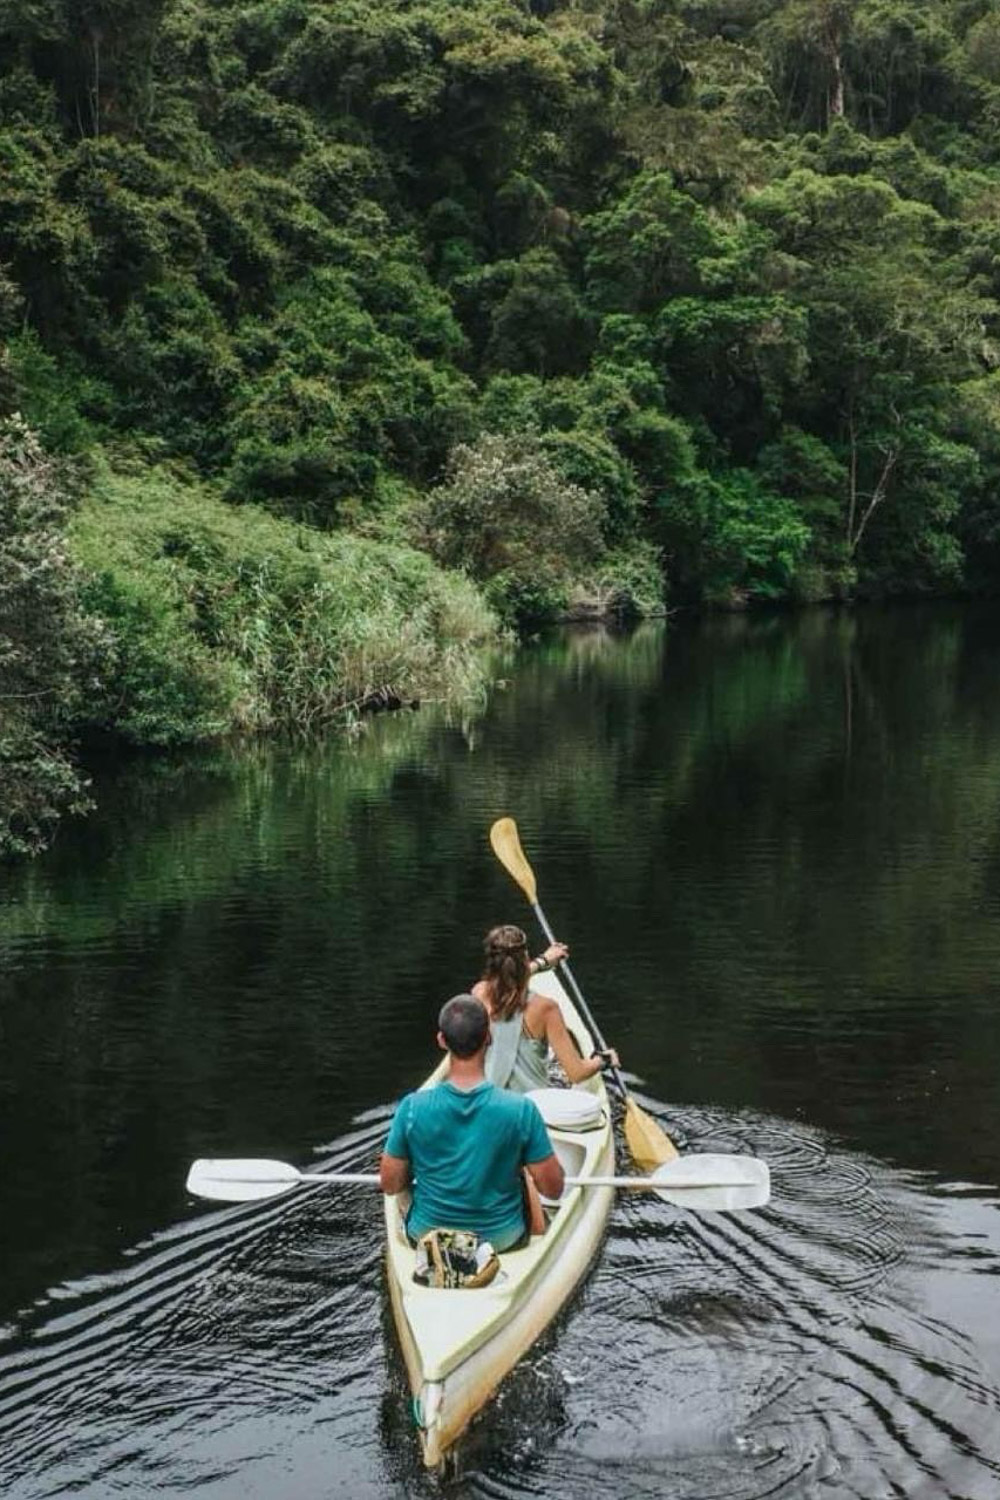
x,y
730,538
507,517
58,397
592,461
50,651
10,305
39,785
627,582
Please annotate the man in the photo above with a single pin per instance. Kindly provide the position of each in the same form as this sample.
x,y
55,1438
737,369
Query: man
x,y
461,1146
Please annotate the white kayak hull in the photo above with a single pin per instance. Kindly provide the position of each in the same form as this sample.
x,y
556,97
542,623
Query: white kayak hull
x,y
458,1345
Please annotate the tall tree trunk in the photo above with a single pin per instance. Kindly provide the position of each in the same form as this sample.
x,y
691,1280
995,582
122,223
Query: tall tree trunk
x,y
836,101
95,92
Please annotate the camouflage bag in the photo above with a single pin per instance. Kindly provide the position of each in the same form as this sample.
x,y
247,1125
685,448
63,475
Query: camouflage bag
x,y
454,1258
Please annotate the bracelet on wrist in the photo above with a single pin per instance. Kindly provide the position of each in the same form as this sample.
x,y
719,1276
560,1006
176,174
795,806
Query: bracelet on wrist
x,y
539,965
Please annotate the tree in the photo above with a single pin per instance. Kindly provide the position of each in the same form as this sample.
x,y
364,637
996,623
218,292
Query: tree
x,y
729,540
875,62
97,53
806,40
893,330
541,325
647,246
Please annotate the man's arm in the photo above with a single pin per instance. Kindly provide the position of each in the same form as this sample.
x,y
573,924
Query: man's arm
x,y
393,1174
394,1166
539,1157
547,1175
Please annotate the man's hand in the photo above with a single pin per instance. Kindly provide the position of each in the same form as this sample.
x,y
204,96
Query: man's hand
x,y
393,1174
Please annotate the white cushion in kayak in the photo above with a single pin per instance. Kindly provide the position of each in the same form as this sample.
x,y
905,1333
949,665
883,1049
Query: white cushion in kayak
x,y
567,1109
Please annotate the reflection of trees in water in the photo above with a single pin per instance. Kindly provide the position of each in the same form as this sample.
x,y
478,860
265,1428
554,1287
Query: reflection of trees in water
x,y
178,827
760,817
230,951
785,872
811,735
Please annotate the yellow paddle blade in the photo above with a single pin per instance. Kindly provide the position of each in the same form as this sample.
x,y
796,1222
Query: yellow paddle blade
x,y
507,848
648,1143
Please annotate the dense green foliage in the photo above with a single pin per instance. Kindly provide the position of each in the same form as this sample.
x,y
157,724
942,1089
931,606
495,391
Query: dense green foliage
x,y
154,610
495,515
723,276
51,650
227,619
734,266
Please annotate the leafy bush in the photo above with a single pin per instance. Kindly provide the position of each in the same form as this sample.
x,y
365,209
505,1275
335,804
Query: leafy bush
x,y
507,517
592,461
627,582
39,786
50,651
10,303
730,541
64,404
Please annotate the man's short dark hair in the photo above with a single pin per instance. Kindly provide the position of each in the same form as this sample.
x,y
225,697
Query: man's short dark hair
x,y
464,1023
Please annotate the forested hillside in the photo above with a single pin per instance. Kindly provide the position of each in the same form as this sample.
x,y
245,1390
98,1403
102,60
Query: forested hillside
x,y
592,298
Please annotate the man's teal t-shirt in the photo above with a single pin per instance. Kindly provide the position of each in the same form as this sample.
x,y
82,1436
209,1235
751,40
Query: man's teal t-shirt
x,y
466,1149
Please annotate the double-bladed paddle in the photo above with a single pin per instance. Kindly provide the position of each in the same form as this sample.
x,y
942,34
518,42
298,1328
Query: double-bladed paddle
x,y
648,1144
720,1183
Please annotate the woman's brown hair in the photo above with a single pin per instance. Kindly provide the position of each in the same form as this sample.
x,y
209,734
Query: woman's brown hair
x,y
507,971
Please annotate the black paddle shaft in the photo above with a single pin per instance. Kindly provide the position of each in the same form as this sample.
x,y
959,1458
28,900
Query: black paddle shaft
x,y
567,972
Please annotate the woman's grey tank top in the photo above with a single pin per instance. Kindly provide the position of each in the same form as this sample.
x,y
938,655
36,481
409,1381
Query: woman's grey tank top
x,y
515,1060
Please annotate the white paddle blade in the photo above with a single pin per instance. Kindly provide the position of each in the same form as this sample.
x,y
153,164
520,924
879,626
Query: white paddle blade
x,y
240,1181
723,1184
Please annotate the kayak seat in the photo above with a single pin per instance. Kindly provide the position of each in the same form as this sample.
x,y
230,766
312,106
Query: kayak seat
x,y
568,1109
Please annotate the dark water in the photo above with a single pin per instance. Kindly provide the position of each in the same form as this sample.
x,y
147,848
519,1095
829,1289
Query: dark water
x,y
774,845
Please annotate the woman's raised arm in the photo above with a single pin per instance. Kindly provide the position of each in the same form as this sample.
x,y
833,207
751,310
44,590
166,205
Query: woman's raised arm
x,y
576,1068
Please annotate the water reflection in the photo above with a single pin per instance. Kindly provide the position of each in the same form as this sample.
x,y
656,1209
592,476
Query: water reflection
x,y
773,844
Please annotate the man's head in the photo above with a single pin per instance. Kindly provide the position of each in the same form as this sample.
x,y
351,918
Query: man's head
x,y
464,1025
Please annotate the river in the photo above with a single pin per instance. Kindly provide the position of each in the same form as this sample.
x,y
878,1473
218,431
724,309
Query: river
x,y
773,843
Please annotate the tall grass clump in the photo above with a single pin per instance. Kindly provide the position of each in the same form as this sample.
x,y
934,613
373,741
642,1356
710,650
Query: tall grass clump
x,y
231,619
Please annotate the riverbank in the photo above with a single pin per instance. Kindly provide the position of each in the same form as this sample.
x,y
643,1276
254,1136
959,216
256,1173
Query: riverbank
x,y
141,606
154,610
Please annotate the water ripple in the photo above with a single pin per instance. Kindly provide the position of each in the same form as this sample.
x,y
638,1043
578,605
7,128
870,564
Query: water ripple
x,y
788,1353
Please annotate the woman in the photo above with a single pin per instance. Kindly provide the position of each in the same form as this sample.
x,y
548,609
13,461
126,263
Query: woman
x,y
526,1025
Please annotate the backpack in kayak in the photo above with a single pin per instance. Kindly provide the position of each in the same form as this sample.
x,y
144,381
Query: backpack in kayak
x,y
454,1258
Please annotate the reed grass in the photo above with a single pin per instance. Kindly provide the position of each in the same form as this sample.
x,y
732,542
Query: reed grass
x,y
226,618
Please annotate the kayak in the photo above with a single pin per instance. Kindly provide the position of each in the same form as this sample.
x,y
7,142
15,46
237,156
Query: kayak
x,y
459,1344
